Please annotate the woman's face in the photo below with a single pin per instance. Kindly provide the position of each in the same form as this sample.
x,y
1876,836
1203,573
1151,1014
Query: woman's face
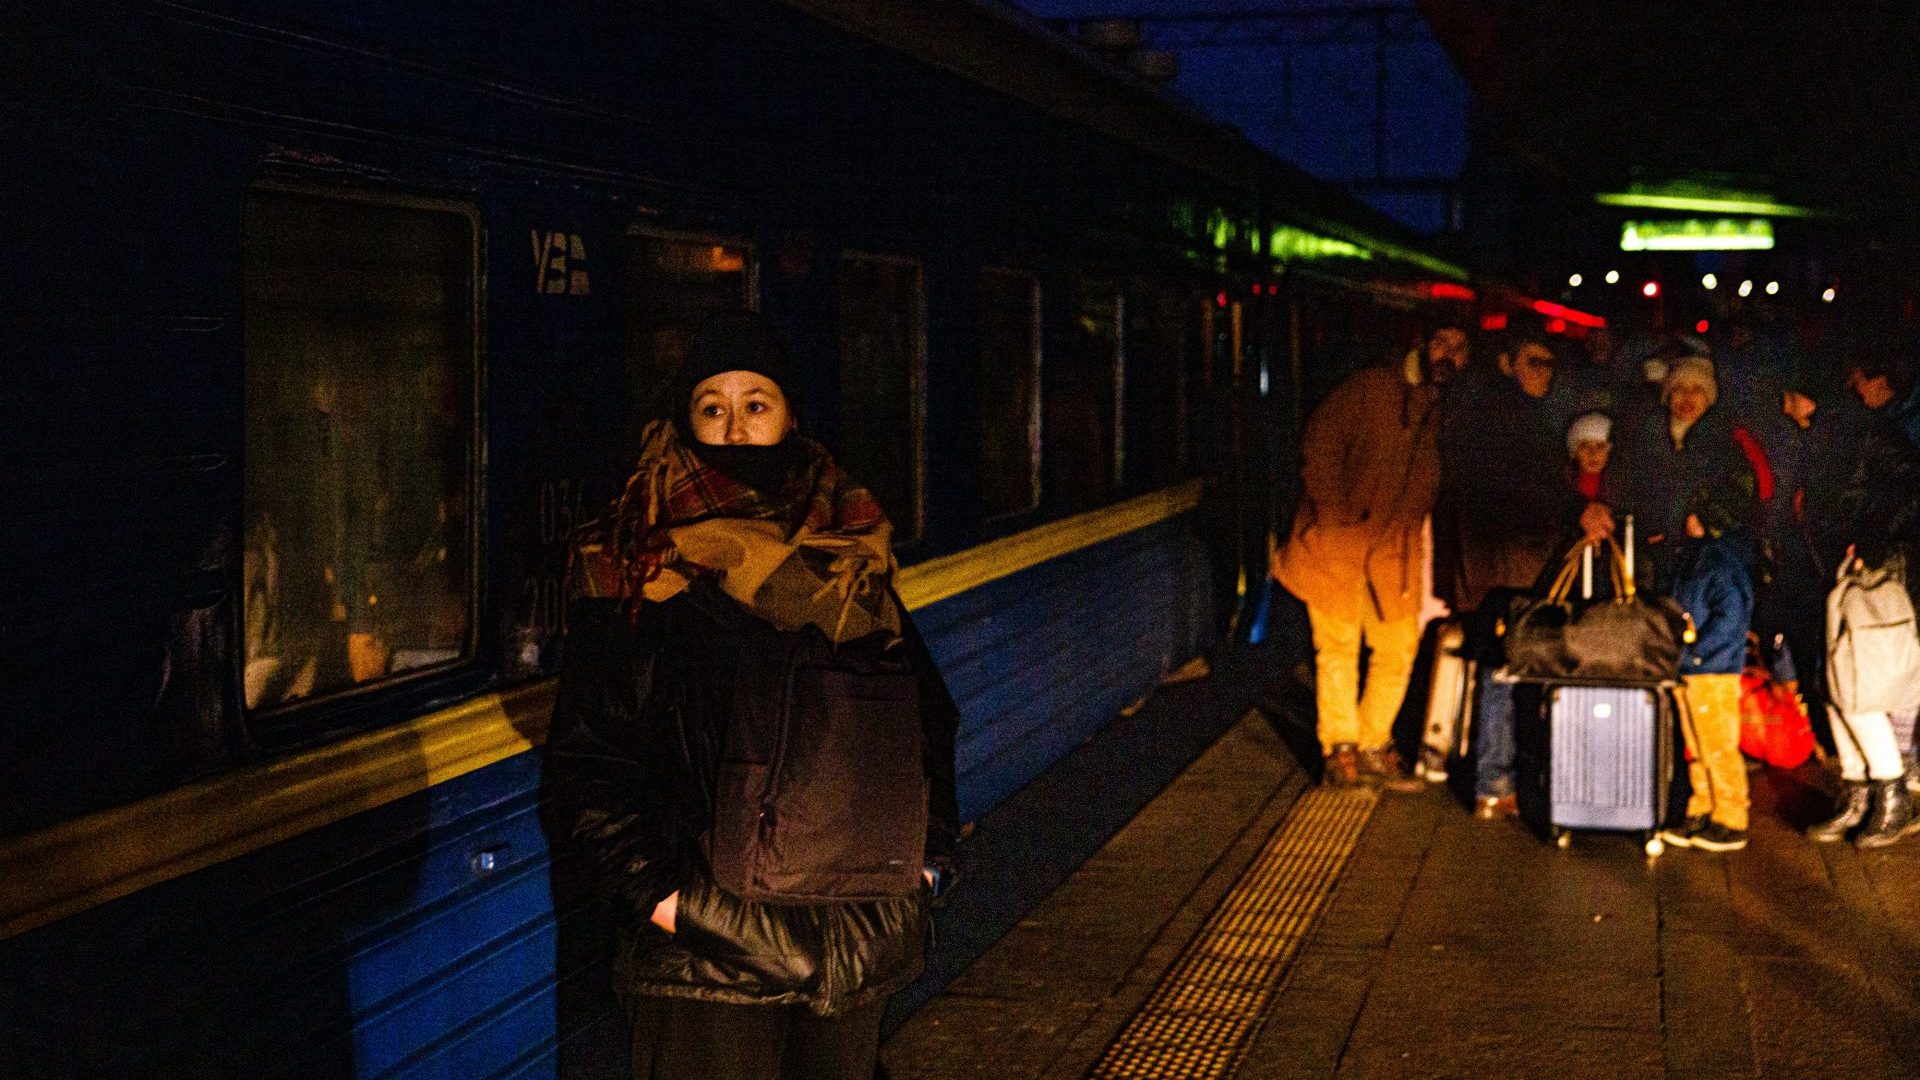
x,y
1592,455
1687,402
739,408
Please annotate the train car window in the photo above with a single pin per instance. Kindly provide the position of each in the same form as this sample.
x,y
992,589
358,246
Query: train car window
x,y
1009,392
1081,402
1158,340
359,434
671,282
882,327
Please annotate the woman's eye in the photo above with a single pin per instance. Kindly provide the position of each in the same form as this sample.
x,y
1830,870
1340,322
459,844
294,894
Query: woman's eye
x,y
710,410
756,406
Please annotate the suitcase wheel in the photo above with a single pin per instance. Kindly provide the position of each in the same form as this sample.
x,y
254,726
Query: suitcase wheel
x,y
1562,838
1655,846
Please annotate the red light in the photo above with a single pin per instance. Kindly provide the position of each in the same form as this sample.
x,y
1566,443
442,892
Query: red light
x,y
1700,327
1493,320
1560,311
1557,326
1650,290
1273,290
1447,290
1256,288
1221,299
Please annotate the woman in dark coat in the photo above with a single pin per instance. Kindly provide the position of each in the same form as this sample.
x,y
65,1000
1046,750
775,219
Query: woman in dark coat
x,y
734,622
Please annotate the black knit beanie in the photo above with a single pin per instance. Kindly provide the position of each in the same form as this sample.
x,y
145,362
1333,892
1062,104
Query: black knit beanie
x,y
732,341
739,341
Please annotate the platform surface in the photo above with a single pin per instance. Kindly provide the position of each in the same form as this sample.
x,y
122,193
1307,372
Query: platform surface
x,y
1449,947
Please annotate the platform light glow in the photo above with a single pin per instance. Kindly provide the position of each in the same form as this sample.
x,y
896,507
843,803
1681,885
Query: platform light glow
x,y
1574,281
1746,288
1613,277
1709,282
1773,288
1696,234
1827,297
1650,290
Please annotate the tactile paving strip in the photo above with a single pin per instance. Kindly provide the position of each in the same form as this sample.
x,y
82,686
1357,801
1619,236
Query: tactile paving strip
x,y
1198,1022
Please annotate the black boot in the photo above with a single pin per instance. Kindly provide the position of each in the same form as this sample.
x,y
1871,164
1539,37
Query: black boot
x,y
1890,816
1850,810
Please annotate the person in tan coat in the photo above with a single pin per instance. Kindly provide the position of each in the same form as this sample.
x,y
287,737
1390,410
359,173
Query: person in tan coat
x,y
1356,557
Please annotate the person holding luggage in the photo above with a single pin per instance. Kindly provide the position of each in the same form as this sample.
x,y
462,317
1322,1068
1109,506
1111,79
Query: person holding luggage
x,y
1875,673
1502,476
1880,507
741,672
1713,579
1589,449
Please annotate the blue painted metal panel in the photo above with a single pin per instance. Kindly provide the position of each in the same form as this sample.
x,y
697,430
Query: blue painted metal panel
x,y
1040,660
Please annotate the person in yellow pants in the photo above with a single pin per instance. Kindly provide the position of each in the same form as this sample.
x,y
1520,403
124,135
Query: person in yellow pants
x,y
1713,581
1357,553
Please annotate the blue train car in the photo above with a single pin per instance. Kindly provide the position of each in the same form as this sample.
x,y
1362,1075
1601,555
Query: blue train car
x,y
331,320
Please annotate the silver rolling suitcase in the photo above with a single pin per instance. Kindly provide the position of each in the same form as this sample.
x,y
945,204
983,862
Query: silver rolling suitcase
x,y
1609,758
1449,703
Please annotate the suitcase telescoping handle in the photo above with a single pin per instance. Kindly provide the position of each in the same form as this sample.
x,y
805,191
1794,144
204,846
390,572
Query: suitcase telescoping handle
x,y
1627,568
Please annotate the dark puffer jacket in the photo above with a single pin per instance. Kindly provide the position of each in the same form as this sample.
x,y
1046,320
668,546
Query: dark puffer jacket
x,y
638,731
1658,480
1714,581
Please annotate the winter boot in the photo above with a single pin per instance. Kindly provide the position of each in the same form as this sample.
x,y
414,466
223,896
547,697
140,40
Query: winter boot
x,y
1889,815
1850,810
1343,766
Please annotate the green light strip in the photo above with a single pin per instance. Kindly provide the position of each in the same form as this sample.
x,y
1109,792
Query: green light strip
x,y
1703,205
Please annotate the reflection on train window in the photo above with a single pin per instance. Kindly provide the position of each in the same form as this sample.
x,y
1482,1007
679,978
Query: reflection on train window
x,y
1158,338
359,403
1010,392
670,283
1081,401
882,354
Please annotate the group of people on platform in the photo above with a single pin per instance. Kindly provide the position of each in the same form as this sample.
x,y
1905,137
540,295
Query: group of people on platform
x,y
1452,481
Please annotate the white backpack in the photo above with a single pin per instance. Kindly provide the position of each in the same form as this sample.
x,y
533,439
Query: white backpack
x,y
1873,646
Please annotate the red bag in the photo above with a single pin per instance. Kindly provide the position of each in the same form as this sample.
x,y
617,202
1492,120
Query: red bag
x,y
1773,725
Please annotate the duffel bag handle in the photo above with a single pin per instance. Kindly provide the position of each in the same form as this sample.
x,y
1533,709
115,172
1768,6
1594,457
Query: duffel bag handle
x,y
1569,572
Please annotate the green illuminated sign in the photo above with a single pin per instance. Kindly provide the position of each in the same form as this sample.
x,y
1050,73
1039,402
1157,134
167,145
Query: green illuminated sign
x,y
1694,234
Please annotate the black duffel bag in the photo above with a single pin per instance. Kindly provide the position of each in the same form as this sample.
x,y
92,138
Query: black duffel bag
x,y
1627,637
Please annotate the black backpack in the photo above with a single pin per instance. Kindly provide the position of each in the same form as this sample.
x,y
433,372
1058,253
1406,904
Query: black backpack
x,y
820,793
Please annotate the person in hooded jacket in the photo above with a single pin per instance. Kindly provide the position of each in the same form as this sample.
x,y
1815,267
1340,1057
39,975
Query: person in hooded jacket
x,y
1356,557
1713,579
739,564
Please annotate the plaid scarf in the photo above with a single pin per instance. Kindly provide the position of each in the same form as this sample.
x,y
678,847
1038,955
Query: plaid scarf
x,y
816,553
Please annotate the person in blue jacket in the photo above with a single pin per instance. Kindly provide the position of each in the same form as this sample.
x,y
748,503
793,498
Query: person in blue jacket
x,y
1713,579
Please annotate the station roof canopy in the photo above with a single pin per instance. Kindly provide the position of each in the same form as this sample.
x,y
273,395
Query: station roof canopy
x,y
1811,102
